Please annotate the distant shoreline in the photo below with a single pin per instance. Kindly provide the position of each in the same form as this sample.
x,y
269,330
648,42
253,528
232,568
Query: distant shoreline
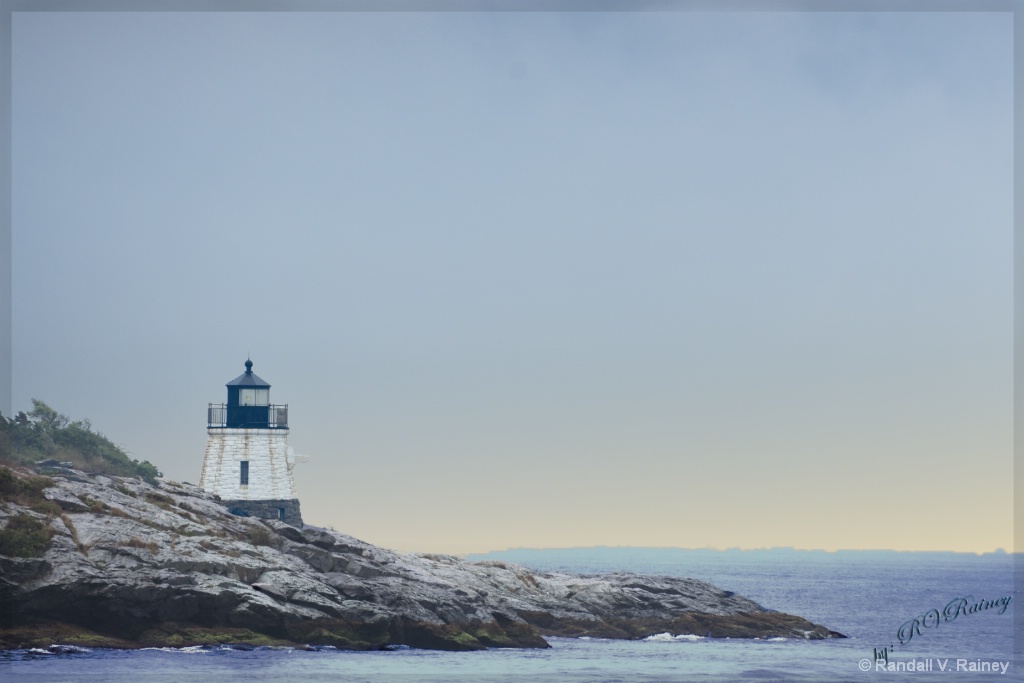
x,y
786,553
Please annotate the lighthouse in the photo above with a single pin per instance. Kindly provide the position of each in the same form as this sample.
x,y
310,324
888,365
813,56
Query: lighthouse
x,y
246,461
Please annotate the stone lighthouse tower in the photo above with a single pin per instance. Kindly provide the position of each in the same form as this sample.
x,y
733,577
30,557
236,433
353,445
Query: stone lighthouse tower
x,y
246,460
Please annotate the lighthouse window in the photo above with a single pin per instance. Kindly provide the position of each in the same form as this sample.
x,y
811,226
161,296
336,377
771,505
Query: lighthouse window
x,y
254,397
245,473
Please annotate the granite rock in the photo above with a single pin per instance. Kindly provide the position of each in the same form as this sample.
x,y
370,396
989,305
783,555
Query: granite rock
x,y
133,565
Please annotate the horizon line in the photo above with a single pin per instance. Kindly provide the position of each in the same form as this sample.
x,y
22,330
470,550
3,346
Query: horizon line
x,y
997,551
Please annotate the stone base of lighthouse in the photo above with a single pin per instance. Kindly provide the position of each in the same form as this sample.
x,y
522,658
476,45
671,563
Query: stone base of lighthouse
x,y
286,511
248,469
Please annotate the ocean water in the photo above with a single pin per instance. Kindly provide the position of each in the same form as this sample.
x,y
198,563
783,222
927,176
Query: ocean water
x,y
866,596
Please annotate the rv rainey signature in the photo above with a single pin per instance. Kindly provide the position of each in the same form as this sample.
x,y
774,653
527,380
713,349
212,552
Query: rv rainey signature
x,y
956,607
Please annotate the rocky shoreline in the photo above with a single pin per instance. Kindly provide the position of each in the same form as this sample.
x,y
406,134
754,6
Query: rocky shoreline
x,y
127,564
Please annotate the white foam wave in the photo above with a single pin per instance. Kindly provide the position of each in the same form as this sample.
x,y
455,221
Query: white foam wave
x,y
669,638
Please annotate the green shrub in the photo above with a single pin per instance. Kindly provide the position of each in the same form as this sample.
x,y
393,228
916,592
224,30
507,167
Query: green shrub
x,y
44,433
136,542
27,491
261,535
24,536
121,488
159,499
47,507
23,490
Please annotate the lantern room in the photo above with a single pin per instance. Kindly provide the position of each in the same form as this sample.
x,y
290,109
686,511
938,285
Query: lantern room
x,y
248,405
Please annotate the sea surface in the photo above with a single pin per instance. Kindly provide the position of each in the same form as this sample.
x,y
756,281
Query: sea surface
x,y
867,596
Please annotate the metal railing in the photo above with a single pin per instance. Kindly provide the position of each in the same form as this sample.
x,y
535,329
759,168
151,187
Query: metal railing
x,y
247,417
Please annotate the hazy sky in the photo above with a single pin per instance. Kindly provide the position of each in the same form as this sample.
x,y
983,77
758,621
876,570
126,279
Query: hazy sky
x,y
538,279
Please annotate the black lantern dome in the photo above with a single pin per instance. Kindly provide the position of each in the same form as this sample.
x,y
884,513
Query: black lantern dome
x,y
248,389
249,405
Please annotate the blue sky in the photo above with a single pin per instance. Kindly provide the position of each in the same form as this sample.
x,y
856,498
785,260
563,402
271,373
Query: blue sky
x,y
538,279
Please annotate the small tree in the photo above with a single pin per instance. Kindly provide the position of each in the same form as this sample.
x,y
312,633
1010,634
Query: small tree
x,y
46,417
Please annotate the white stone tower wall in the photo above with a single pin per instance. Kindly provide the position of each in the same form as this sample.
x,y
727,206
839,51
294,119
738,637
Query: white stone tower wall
x,y
266,451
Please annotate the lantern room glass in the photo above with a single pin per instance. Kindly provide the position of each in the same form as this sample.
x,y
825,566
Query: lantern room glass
x,y
254,397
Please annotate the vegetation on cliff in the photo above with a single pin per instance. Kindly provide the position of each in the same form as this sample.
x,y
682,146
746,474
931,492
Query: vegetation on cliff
x,y
44,434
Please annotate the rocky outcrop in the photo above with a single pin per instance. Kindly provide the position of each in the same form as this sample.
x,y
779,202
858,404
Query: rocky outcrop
x,y
130,564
